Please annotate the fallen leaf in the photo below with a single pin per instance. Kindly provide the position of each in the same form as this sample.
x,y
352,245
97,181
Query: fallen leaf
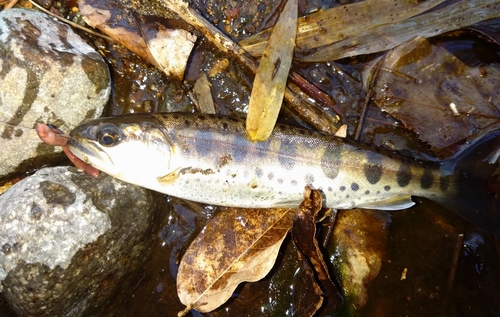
x,y
237,245
203,92
436,95
169,45
308,297
386,36
271,77
342,22
150,38
304,238
359,242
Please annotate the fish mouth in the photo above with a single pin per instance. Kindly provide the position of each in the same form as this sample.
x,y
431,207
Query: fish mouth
x,y
89,153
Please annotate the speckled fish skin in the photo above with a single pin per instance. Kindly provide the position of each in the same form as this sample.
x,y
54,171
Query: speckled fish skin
x,y
209,159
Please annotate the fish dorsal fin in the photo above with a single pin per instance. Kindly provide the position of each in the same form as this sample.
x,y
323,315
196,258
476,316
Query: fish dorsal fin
x,y
170,177
393,203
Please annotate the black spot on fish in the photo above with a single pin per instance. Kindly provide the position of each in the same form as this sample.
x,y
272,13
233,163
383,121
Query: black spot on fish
x,y
270,175
202,117
287,153
259,172
404,175
354,186
280,181
309,179
330,162
330,189
225,126
176,116
262,148
204,143
187,123
367,192
239,148
387,188
373,172
342,188
294,182
444,182
427,179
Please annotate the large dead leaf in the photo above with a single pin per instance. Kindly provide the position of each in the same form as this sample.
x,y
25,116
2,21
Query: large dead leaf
x,y
237,245
436,95
304,237
342,22
386,36
270,80
159,41
360,242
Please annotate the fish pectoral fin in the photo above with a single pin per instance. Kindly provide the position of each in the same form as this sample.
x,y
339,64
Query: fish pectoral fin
x,y
170,177
393,203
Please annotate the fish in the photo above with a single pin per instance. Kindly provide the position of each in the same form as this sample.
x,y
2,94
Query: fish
x,y
210,159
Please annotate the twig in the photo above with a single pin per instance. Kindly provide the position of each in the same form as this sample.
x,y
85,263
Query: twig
x,y
10,4
330,226
368,98
219,39
73,24
453,270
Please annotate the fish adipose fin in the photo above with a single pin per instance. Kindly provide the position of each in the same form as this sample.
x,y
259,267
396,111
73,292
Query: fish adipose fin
x,y
395,203
472,199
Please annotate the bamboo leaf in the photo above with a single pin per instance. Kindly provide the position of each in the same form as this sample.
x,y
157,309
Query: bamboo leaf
x,y
270,80
386,36
237,245
343,22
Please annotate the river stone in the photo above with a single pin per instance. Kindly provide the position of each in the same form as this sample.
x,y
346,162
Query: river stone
x,y
47,74
71,244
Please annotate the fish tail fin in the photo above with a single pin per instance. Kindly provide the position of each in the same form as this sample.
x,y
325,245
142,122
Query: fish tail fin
x,y
475,197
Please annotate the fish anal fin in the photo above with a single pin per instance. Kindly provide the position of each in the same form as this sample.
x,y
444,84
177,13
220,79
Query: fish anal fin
x,y
393,203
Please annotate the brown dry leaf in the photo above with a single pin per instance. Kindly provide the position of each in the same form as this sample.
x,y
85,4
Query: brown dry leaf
x,y
308,296
237,245
203,92
304,238
151,38
360,240
436,95
342,22
382,37
270,80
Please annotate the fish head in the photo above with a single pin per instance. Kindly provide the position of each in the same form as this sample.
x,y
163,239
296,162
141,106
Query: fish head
x,y
133,148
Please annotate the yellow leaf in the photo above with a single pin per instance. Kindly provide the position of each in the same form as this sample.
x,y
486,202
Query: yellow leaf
x,y
270,80
237,245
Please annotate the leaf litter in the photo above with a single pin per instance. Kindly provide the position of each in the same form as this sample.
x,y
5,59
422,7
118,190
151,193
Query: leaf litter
x,y
436,95
271,77
236,245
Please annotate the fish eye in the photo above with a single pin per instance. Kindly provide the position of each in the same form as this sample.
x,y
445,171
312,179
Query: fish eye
x,y
108,135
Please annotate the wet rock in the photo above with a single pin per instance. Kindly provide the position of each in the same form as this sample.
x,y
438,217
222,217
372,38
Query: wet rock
x,y
47,74
360,242
70,243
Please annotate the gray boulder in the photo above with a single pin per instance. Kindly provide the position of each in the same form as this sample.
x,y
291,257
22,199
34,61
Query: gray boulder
x,y
70,243
48,74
